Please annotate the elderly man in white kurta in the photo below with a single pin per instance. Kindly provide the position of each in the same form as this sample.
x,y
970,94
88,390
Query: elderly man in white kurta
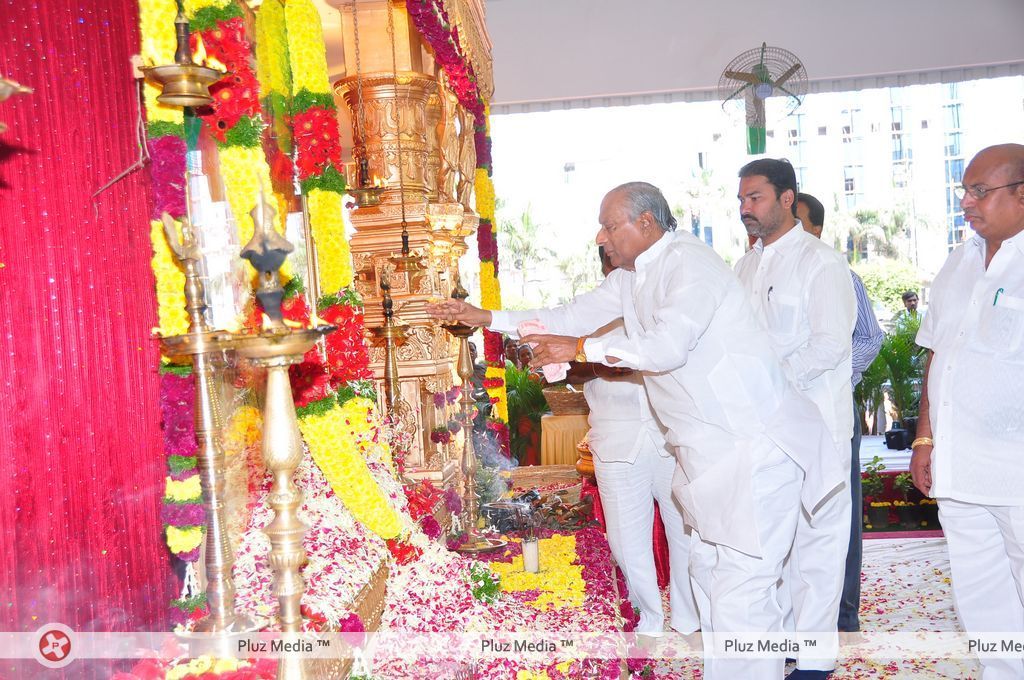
x,y
741,433
802,292
969,452
634,465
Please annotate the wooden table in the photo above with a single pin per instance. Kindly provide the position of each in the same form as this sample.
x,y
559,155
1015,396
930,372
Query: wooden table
x,y
559,436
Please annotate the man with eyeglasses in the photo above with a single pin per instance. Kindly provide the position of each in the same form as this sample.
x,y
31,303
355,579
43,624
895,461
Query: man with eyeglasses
x,y
968,452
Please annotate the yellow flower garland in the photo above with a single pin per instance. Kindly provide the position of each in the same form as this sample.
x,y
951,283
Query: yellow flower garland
x,y
170,284
326,220
490,289
271,55
559,581
484,195
306,50
337,450
184,540
500,408
156,26
183,491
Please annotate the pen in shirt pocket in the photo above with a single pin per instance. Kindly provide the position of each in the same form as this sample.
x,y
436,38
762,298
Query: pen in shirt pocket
x,y
996,298
771,288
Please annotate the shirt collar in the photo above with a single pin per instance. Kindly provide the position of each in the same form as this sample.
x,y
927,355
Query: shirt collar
x,y
786,241
649,255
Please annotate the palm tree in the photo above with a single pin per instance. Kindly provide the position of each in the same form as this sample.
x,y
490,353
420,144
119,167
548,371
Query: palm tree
x,y
521,245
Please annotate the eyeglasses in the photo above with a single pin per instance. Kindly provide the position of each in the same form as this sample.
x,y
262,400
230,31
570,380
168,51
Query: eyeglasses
x,y
978,193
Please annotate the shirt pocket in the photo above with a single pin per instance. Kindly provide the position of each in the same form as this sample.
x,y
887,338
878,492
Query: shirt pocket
x,y
783,314
1001,327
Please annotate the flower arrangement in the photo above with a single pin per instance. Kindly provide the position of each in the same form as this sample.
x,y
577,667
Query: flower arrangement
x,y
234,118
441,435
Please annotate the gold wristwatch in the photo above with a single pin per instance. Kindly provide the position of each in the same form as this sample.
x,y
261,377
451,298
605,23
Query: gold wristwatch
x,y
581,355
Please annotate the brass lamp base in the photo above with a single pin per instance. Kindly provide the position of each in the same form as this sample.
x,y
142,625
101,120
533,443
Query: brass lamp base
x,y
480,544
184,84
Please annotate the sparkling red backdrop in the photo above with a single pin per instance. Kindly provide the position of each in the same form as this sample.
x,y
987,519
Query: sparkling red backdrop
x,y
81,463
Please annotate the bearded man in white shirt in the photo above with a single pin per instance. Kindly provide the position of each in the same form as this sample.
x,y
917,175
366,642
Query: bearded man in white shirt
x,y
802,292
968,452
741,432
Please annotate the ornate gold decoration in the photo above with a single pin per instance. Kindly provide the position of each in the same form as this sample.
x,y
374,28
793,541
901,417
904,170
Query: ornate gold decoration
x,y
467,159
448,142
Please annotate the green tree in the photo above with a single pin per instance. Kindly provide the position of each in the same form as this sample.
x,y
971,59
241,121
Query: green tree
x,y
886,280
581,270
522,246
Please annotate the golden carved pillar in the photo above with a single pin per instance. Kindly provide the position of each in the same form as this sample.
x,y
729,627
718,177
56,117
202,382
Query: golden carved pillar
x,y
401,140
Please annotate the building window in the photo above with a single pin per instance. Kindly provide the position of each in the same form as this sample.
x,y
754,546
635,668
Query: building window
x,y
954,171
793,133
709,236
924,125
849,184
897,126
952,144
822,131
952,112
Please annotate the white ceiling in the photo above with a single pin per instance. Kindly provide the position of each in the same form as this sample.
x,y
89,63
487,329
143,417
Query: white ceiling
x,y
571,53
577,53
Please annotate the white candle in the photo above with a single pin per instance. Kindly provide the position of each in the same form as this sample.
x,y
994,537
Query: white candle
x,y
531,555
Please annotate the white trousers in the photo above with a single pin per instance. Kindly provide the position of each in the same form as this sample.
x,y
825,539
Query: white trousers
x,y
813,576
986,557
736,592
628,492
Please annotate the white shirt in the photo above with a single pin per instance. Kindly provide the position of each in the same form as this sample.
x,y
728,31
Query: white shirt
x,y
621,420
802,292
711,377
975,327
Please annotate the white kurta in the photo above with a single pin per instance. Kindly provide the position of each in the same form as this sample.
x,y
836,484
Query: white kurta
x,y
802,292
975,327
711,377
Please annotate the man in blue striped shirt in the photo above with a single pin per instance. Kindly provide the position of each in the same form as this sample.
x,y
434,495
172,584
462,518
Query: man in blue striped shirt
x,y
867,340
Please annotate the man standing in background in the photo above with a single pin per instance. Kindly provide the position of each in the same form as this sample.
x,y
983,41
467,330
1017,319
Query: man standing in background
x,y
801,292
867,341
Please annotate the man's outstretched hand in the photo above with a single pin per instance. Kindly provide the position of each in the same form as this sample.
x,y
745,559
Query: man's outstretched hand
x,y
550,349
457,310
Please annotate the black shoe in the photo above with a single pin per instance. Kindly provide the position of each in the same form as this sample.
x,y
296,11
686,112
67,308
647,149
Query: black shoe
x,y
809,675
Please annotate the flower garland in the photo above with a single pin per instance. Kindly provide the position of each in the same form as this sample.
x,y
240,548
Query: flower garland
x,y
338,435
182,511
233,119
317,142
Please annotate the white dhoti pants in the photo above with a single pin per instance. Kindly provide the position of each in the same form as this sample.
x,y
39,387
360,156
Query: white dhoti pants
x,y
986,557
813,576
628,491
736,592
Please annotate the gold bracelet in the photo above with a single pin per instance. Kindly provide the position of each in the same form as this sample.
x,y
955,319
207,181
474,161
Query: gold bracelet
x,y
922,441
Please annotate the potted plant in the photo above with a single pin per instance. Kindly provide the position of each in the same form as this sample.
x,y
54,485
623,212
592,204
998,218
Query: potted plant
x,y
928,510
873,488
906,510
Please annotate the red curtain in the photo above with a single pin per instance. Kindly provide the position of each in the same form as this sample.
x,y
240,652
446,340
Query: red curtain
x,y
81,464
